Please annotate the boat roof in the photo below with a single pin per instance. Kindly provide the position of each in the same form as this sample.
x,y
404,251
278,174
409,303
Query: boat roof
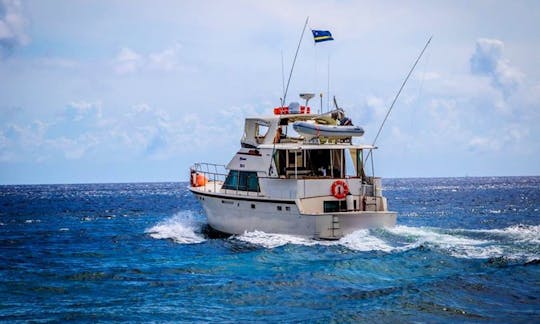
x,y
255,136
319,118
310,146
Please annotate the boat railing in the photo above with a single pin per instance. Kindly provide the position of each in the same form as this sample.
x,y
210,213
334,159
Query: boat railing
x,y
214,176
213,173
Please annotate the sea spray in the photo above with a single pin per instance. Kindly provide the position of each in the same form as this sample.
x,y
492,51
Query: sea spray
x,y
181,228
271,240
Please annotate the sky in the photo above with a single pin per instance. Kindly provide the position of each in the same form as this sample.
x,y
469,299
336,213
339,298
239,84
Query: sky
x,y
137,91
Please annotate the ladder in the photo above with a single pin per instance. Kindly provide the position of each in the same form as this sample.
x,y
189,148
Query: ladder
x,y
335,226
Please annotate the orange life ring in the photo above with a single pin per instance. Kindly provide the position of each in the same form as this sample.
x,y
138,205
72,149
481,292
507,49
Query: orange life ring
x,y
339,189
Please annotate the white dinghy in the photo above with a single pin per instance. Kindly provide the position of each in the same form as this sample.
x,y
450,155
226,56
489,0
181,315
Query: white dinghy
x,y
330,131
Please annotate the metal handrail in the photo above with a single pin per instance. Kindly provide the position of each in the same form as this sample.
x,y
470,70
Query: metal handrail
x,y
217,173
212,175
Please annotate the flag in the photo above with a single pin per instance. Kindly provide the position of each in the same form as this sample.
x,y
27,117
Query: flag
x,y
321,35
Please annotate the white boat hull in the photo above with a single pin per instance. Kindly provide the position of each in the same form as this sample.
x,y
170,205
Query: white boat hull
x,y
233,215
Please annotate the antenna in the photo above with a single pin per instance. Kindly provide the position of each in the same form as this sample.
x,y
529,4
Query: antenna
x,y
397,95
282,78
307,97
328,86
294,61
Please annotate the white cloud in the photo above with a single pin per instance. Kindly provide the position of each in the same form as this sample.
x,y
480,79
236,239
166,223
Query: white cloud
x,y
79,110
74,148
506,138
484,144
19,141
12,26
373,109
167,60
129,61
488,60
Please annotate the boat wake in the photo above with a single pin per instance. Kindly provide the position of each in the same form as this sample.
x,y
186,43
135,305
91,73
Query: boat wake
x,y
518,242
182,228
270,240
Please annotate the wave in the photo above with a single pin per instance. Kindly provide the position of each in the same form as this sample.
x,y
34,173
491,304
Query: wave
x,y
364,241
456,244
518,242
271,240
521,233
181,228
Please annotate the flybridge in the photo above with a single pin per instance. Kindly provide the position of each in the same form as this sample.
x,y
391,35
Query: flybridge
x,y
296,124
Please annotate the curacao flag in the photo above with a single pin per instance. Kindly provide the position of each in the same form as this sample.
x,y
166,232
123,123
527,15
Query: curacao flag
x,y
321,36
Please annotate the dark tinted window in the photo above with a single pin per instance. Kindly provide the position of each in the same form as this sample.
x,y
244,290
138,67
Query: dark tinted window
x,y
242,180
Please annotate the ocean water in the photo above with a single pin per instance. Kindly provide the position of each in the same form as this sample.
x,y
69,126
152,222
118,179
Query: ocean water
x,y
464,250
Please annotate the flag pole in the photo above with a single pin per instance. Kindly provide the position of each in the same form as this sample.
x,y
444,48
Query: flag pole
x,y
294,61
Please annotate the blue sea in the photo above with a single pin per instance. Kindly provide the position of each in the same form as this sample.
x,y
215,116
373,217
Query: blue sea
x,y
464,250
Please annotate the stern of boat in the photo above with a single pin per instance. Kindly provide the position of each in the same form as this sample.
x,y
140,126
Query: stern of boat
x,y
363,207
336,225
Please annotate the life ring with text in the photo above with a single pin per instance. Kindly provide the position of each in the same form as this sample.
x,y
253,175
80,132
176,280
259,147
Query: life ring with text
x,y
339,189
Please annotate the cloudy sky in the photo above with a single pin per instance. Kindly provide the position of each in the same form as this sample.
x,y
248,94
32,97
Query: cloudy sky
x,y
133,91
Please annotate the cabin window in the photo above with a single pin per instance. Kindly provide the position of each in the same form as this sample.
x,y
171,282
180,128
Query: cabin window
x,y
231,182
310,163
296,158
333,206
260,132
242,180
360,164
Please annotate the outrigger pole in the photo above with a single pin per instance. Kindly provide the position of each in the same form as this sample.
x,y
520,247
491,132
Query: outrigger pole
x,y
294,61
397,95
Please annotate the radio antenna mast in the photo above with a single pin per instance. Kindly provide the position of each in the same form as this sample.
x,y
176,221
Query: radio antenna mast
x,y
397,95
282,77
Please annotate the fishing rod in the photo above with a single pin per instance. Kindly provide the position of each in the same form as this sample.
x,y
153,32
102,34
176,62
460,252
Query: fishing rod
x,y
294,61
396,97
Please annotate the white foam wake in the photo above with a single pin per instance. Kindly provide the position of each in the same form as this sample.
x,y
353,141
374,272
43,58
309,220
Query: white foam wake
x,y
518,242
457,245
271,240
529,234
364,240
180,228
361,240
